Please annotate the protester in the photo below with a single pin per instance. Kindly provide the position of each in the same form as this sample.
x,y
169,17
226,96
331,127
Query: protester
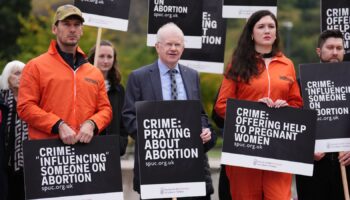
x,y
3,163
259,72
152,82
326,182
107,63
62,95
16,131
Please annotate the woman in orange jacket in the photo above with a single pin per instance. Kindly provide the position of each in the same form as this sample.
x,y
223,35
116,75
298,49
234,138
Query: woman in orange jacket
x,y
259,72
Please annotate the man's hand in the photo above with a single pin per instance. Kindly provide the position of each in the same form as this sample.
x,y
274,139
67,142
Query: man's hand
x,y
86,132
318,156
66,134
205,135
344,158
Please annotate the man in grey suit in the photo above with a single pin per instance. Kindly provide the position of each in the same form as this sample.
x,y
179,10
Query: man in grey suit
x,y
153,83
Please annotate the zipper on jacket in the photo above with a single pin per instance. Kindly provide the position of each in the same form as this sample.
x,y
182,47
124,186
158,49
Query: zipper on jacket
x,y
268,80
75,92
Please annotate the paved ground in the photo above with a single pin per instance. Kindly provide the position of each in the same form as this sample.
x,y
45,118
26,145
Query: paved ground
x,y
127,165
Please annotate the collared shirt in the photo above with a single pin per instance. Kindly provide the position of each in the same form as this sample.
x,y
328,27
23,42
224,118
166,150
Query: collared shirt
x,y
165,81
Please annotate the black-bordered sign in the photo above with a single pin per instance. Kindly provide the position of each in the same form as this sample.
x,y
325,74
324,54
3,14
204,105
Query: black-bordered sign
x,y
110,14
210,58
335,14
187,14
170,149
82,171
256,136
244,8
326,89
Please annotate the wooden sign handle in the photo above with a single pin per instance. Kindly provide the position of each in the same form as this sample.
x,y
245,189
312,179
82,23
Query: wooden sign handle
x,y
98,42
345,181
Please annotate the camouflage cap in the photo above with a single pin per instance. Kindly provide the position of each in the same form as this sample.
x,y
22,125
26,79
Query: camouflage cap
x,y
65,11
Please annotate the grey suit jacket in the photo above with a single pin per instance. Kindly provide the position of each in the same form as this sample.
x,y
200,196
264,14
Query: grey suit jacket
x,y
144,84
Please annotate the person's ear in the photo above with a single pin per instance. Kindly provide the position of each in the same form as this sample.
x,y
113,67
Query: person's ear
x,y
54,29
157,46
318,51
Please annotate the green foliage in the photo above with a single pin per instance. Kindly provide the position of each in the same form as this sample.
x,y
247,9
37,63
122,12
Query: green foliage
x,y
304,36
36,36
10,26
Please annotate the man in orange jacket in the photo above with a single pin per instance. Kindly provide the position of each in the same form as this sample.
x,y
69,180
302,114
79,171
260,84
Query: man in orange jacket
x,y
61,95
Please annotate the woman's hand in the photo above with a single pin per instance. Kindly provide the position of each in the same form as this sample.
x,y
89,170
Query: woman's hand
x,y
277,104
280,103
267,101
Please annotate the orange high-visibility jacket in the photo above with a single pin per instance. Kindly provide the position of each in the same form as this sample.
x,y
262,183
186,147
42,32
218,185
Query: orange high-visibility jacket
x,y
277,81
51,90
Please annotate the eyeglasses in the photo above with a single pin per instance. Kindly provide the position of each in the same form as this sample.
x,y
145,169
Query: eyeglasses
x,y
171,45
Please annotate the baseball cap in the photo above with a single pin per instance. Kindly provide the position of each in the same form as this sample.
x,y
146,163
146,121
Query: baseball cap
x,y
65,11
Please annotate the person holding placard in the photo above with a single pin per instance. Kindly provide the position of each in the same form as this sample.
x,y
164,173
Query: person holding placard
x,y
16,131
153,82
107,63
259,72
326,182
61,94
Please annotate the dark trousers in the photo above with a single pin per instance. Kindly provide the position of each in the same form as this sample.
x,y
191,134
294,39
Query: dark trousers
x,y
224,185
326,182
15,186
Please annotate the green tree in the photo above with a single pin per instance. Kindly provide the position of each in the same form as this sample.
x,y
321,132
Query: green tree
x,y
10,11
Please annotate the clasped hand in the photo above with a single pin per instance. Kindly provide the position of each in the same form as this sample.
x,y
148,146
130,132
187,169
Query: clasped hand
x,y
277,104
70,137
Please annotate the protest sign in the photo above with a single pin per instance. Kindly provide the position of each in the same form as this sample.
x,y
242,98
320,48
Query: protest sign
x,y
76,172
335,14
256,136
244,8
325,88
170,150
210,58
187,14
105,13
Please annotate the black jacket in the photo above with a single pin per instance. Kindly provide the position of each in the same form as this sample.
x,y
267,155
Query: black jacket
x,y
3,163
116,96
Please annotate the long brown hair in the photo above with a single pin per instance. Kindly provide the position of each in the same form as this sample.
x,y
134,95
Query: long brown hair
x,y
244,61
113,75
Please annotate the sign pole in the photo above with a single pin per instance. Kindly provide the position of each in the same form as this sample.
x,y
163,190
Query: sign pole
x,y
345,181
98,42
